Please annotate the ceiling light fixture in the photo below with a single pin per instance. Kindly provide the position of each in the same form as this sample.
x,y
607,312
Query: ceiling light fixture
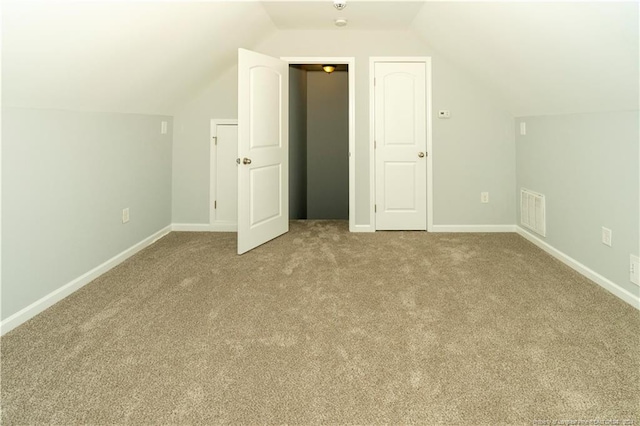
x,y
329,68
339,4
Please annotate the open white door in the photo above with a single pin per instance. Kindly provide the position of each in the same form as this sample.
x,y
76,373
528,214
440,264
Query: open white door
x,y
263,149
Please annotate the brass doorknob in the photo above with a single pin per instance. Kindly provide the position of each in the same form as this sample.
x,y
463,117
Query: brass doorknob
x,y
421,154
246,160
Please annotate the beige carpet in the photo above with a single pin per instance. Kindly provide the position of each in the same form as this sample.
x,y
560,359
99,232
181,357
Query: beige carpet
x,y
324,326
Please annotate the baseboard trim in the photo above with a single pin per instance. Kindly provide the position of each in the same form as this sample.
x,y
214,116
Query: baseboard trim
x,y
221,226
57,295
361,228
603,282
474,228
191,227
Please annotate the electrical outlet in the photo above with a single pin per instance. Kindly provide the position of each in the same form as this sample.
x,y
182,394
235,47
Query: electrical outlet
x,y
125,215
163,128
606,236
634,269
484,197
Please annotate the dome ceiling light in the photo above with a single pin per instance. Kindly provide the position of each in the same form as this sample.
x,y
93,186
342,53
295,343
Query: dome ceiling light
x,y
329,68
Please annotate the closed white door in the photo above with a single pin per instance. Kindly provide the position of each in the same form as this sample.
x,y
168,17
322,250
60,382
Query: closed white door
x,y
224,176
400,146
263,149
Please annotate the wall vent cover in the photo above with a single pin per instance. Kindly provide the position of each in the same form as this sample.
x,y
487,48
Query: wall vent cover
x,y
532,211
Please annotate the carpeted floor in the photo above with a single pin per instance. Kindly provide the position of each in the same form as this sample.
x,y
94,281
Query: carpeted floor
x,y
325,326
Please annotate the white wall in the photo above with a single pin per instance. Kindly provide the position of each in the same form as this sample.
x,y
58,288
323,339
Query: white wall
x,y
587,166
120,56
191,147
542,57
66,176
472,151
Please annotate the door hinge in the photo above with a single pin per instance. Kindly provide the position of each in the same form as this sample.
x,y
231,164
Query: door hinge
x,y
374,81
375,208
375,144
215,140
215,204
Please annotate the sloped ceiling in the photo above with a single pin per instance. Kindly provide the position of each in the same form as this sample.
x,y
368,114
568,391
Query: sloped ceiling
x,y
542,57
151,56
141,57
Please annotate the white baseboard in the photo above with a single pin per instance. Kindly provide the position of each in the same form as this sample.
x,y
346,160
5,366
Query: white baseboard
x,y
361,228
603,282
191,227
55,296
221,226
474,228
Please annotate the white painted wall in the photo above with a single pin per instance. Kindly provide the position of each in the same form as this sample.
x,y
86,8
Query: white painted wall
x,y
66,176
472,151
190,179
120,56
542,57
588,168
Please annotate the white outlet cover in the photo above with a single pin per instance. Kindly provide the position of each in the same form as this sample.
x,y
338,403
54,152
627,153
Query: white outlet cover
x,y
163,127
523,128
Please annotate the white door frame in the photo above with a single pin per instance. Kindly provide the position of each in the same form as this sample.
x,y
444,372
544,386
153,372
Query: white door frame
x,y
215,225
351,62
372,188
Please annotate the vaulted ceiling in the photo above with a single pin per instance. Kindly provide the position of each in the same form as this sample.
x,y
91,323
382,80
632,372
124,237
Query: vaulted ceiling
x,y
150,56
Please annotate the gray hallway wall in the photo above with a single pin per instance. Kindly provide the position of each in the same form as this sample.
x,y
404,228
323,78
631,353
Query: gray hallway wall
x,y
297,143
327,145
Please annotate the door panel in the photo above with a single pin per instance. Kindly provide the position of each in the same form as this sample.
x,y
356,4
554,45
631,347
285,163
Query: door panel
x,y
263,198
265,132
400,188
401,139
226,180
266,197
399,118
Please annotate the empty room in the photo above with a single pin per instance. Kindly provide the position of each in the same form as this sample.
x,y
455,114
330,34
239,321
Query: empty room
x,y
320,211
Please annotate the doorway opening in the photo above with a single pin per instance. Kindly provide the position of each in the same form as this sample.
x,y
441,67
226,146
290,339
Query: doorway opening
x,y
318,142
322,138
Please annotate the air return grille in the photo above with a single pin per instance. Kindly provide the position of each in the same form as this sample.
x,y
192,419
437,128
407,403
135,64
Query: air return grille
x,y
532,211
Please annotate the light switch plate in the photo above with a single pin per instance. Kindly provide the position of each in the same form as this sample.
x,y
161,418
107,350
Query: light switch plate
x,y
634,269
606,236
